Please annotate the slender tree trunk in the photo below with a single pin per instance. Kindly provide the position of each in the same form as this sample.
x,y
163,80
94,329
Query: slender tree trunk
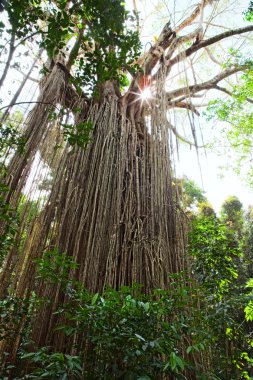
x,y
8,62
18,92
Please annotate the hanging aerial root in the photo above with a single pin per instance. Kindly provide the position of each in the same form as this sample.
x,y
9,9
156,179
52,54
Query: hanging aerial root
x,y
111,208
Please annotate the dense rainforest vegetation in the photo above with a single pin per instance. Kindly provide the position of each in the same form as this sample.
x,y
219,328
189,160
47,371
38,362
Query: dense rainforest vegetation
x,y
111,266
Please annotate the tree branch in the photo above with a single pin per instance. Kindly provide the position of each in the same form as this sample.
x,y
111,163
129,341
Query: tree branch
x,y
212,57
184,105
210,41
180,40
18,92
10,55
157,50
165,37
136,13
188,21
155,53
75,50
16,104
223,89
22,72
30,36
212,83
226,91
173,129
192,96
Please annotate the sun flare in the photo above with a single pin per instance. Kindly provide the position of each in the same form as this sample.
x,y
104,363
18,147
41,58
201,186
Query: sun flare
x,y
146,94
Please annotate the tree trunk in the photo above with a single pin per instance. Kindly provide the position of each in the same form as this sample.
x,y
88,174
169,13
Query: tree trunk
x,y
112,208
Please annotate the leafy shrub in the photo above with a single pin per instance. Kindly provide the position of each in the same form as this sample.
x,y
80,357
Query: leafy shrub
x,y
127,334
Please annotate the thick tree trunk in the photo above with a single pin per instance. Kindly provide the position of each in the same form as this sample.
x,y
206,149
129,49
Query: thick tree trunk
x,y
113,212
112,208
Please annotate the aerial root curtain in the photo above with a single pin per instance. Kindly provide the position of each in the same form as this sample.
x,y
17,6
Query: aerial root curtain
x,y
112,206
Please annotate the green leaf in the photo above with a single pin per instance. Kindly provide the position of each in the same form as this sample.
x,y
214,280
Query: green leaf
x,y
179,362
94,299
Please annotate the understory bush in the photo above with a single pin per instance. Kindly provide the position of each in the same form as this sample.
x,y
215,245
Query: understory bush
x,y
198,328
175,334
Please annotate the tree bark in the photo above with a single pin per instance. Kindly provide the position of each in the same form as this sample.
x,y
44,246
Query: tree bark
x,y
8,62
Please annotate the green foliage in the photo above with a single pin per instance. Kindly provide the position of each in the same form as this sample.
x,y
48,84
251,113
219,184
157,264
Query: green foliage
x,y
12,311
10,135
10,139
59,26
79,134
130,335
249,307
231,206
15,322
111,45
235,58
51,25
9,220
103,31
54,266
27,208
127,334
248,241
249,12
16,315
232,216
216,265
206,209
54,366
23,16
213,263
237,113
190,193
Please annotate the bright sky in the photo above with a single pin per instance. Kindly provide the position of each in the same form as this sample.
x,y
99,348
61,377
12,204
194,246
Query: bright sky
x,y
217,188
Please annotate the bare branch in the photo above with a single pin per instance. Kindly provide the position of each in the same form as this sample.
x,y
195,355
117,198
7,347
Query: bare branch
x,y
16,104
155,53
226,91
210,41
192,96
157,50
184,105
223,89
181,138
214,25
212,57
30,36
212,83
188,21
136,13
180,40
19,90
22,72
10,55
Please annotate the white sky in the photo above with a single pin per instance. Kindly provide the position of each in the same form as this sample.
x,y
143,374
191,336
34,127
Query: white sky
x,y
217,189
